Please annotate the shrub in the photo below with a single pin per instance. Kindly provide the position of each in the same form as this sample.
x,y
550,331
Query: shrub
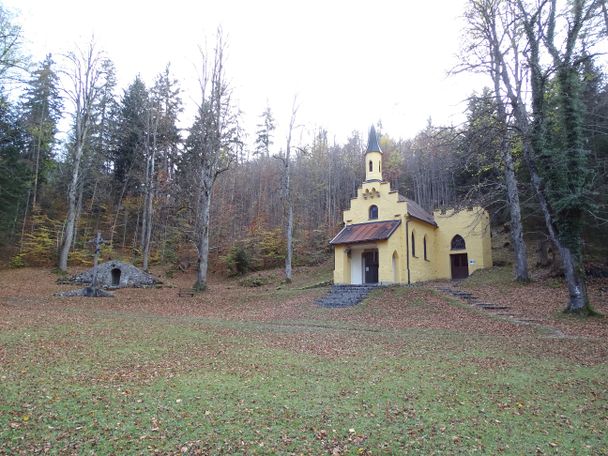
x,y
17,262
238,260
39,247
255,281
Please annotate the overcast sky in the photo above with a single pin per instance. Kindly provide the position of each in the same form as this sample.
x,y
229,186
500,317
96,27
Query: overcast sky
x,y
351,63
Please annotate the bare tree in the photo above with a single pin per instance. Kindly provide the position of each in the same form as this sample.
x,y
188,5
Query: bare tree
x,y
86,77
287,200
160,143
150,179
488,45
211,145
12,59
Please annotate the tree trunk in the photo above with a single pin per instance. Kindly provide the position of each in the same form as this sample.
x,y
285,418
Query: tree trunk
x,y
147,215
118,209
148,209
144,218
125,222
147,235
37,168
517,232
517,235
203,240
289,238
135,236
96,259
86,78
23,226
574,272
78,214
288,218
288,202
546,256
72,208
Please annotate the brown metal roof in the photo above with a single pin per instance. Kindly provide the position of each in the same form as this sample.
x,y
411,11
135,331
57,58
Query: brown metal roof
x,y
364,232
416,211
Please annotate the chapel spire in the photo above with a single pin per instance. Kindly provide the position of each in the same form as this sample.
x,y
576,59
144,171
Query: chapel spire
x,y
372,141
373,158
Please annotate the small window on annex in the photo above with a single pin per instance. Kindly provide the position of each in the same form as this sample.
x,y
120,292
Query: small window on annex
x,y
371,165
458,243
373,212
413,245
426,256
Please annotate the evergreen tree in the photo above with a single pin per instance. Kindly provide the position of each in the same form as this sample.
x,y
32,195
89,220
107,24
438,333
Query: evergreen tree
x,y
595,101
491,145
41,110
264,133
166,105
15,175
478,157
105,130
128,156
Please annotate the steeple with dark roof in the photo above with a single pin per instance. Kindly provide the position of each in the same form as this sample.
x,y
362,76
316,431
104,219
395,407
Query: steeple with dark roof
x,y
373,158
372,141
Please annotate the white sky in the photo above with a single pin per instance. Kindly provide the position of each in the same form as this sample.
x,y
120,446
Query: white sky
x,y
351,63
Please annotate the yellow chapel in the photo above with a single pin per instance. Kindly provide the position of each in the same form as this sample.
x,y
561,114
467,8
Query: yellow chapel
x,y
390,239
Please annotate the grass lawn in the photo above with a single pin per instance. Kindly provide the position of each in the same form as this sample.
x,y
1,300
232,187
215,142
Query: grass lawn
x,y
265,371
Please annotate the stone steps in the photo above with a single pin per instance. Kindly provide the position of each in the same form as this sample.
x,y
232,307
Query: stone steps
x,y
492,307
185,292
499,310
345,295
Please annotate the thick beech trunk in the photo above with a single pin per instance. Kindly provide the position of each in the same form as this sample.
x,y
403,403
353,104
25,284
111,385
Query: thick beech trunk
x,y
72,209
289,237
288,203
517,232
148,212
203,236
87,77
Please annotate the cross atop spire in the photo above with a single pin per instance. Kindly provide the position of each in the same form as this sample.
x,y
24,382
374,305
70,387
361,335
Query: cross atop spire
x,y
372,141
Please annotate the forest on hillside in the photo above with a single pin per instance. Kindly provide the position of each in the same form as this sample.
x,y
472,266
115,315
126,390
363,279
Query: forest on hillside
x,y
533,151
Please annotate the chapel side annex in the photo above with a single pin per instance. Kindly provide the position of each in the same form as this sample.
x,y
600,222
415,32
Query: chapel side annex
x,y
390,239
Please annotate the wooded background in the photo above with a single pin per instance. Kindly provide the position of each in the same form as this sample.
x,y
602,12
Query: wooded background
x,y
128,170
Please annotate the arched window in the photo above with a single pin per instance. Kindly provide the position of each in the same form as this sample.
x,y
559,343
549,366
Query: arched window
x,y
373,212
426,257
458,243
413,245
371,166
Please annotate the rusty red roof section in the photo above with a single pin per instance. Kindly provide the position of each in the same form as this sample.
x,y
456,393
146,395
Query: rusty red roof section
x,y
366,232
416,211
